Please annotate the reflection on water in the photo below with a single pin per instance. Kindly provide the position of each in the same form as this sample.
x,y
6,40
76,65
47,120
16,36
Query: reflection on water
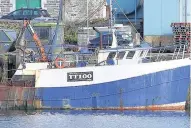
x,y
93,119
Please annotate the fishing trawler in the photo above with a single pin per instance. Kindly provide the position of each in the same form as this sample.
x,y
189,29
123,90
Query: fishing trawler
x,y
125,78
122,78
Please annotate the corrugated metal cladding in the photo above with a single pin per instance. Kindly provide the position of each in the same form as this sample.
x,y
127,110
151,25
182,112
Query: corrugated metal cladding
x,y
158,16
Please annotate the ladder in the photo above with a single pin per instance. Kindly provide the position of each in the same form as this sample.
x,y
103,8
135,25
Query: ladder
x,y
179,52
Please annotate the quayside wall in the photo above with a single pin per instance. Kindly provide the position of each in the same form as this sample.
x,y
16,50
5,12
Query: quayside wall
x,y
17,97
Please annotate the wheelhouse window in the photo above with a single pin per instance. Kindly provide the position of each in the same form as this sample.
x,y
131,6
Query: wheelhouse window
x,y
120,55
130,54
111,55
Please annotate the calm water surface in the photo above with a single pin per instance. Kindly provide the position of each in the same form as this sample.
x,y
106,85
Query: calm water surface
x,y
93,119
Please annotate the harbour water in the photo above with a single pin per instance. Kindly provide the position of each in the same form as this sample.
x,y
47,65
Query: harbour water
x,y
94,119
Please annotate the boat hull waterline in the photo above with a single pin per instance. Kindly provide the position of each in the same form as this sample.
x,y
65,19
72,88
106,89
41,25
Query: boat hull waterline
x,y
164,86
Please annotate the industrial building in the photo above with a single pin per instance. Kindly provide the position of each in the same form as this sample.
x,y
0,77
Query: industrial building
x,y
153,18
131,9
158,16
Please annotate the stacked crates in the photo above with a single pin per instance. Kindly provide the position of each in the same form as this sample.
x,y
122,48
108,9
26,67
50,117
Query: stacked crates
x,y
182,32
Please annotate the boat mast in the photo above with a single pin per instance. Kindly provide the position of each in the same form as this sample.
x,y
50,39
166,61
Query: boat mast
x,y
58,38
64,19
110,20
114,39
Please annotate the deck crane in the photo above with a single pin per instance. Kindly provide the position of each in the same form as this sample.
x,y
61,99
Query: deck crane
x,y
37,40
20,28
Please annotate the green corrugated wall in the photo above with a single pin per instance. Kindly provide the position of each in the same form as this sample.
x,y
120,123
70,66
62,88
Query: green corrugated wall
x,y
28,3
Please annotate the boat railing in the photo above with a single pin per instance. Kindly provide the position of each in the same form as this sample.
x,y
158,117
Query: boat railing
x,y
172,52
69,59
177,51
80,59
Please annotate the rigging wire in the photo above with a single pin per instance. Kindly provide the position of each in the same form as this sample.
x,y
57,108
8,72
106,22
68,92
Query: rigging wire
x,y
127,18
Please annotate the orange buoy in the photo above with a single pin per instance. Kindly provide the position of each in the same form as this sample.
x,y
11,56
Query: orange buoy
x,y
59,62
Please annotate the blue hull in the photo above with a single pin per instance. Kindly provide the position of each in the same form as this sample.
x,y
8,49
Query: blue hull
x,y
165,87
